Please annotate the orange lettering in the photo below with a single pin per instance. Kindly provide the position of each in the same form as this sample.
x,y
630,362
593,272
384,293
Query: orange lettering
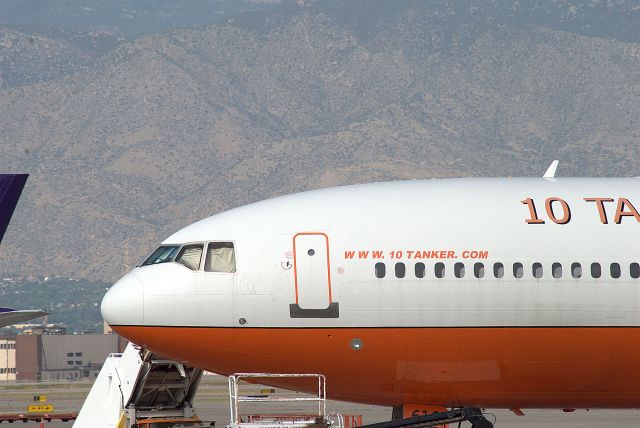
x,y
566,212
621,213
378,255
600,204
532,212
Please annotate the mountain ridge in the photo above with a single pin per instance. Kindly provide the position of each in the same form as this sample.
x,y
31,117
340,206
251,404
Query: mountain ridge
x,y
171,127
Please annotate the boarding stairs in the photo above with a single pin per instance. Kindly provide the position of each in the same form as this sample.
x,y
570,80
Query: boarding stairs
x,y
138,384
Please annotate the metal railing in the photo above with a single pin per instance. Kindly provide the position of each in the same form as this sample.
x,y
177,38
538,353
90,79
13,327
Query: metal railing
x,y
235,398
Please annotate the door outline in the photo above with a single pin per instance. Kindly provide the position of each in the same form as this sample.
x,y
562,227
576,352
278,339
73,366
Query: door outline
x,y
295,311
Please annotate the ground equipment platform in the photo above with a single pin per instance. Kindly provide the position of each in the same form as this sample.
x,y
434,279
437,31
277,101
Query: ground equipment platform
x,y
317,419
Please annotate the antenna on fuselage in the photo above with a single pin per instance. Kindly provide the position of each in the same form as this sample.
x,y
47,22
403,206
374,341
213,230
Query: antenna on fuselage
x,y
551,171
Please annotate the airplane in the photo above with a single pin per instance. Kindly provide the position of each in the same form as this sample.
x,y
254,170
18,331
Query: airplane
x,y
423,295
11,186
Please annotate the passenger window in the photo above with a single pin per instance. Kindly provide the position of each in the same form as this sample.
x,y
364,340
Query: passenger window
x,y
596,272
634,270
438,269
381,270
458,270
420,269
537,270
400,270
518,270
190,256
556,270
478,270
615,270
221,257
576,270
498,270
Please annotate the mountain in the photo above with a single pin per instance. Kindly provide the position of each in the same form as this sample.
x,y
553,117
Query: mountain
x,y
132,140
123,18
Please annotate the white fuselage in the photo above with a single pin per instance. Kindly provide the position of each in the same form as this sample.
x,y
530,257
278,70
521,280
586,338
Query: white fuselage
x,y
308,261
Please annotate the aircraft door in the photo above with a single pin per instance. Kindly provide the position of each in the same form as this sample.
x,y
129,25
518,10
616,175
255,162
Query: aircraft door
x,y
312,270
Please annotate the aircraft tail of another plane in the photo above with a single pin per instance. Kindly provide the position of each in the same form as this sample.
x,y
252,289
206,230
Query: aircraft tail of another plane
x,y
11,186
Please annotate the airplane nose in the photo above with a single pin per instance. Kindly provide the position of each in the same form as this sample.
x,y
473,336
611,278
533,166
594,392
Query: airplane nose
x,y
122,307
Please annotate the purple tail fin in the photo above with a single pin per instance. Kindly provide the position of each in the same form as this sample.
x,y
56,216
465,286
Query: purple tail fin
x,y
11,186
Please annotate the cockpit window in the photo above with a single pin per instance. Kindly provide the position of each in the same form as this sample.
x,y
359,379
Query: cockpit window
x,y
165,253
220,257
190,256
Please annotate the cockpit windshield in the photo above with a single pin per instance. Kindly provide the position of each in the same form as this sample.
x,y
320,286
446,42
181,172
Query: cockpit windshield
x,y
165,253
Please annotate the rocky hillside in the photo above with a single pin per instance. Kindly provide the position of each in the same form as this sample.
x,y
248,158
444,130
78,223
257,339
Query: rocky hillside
x,y
160,130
